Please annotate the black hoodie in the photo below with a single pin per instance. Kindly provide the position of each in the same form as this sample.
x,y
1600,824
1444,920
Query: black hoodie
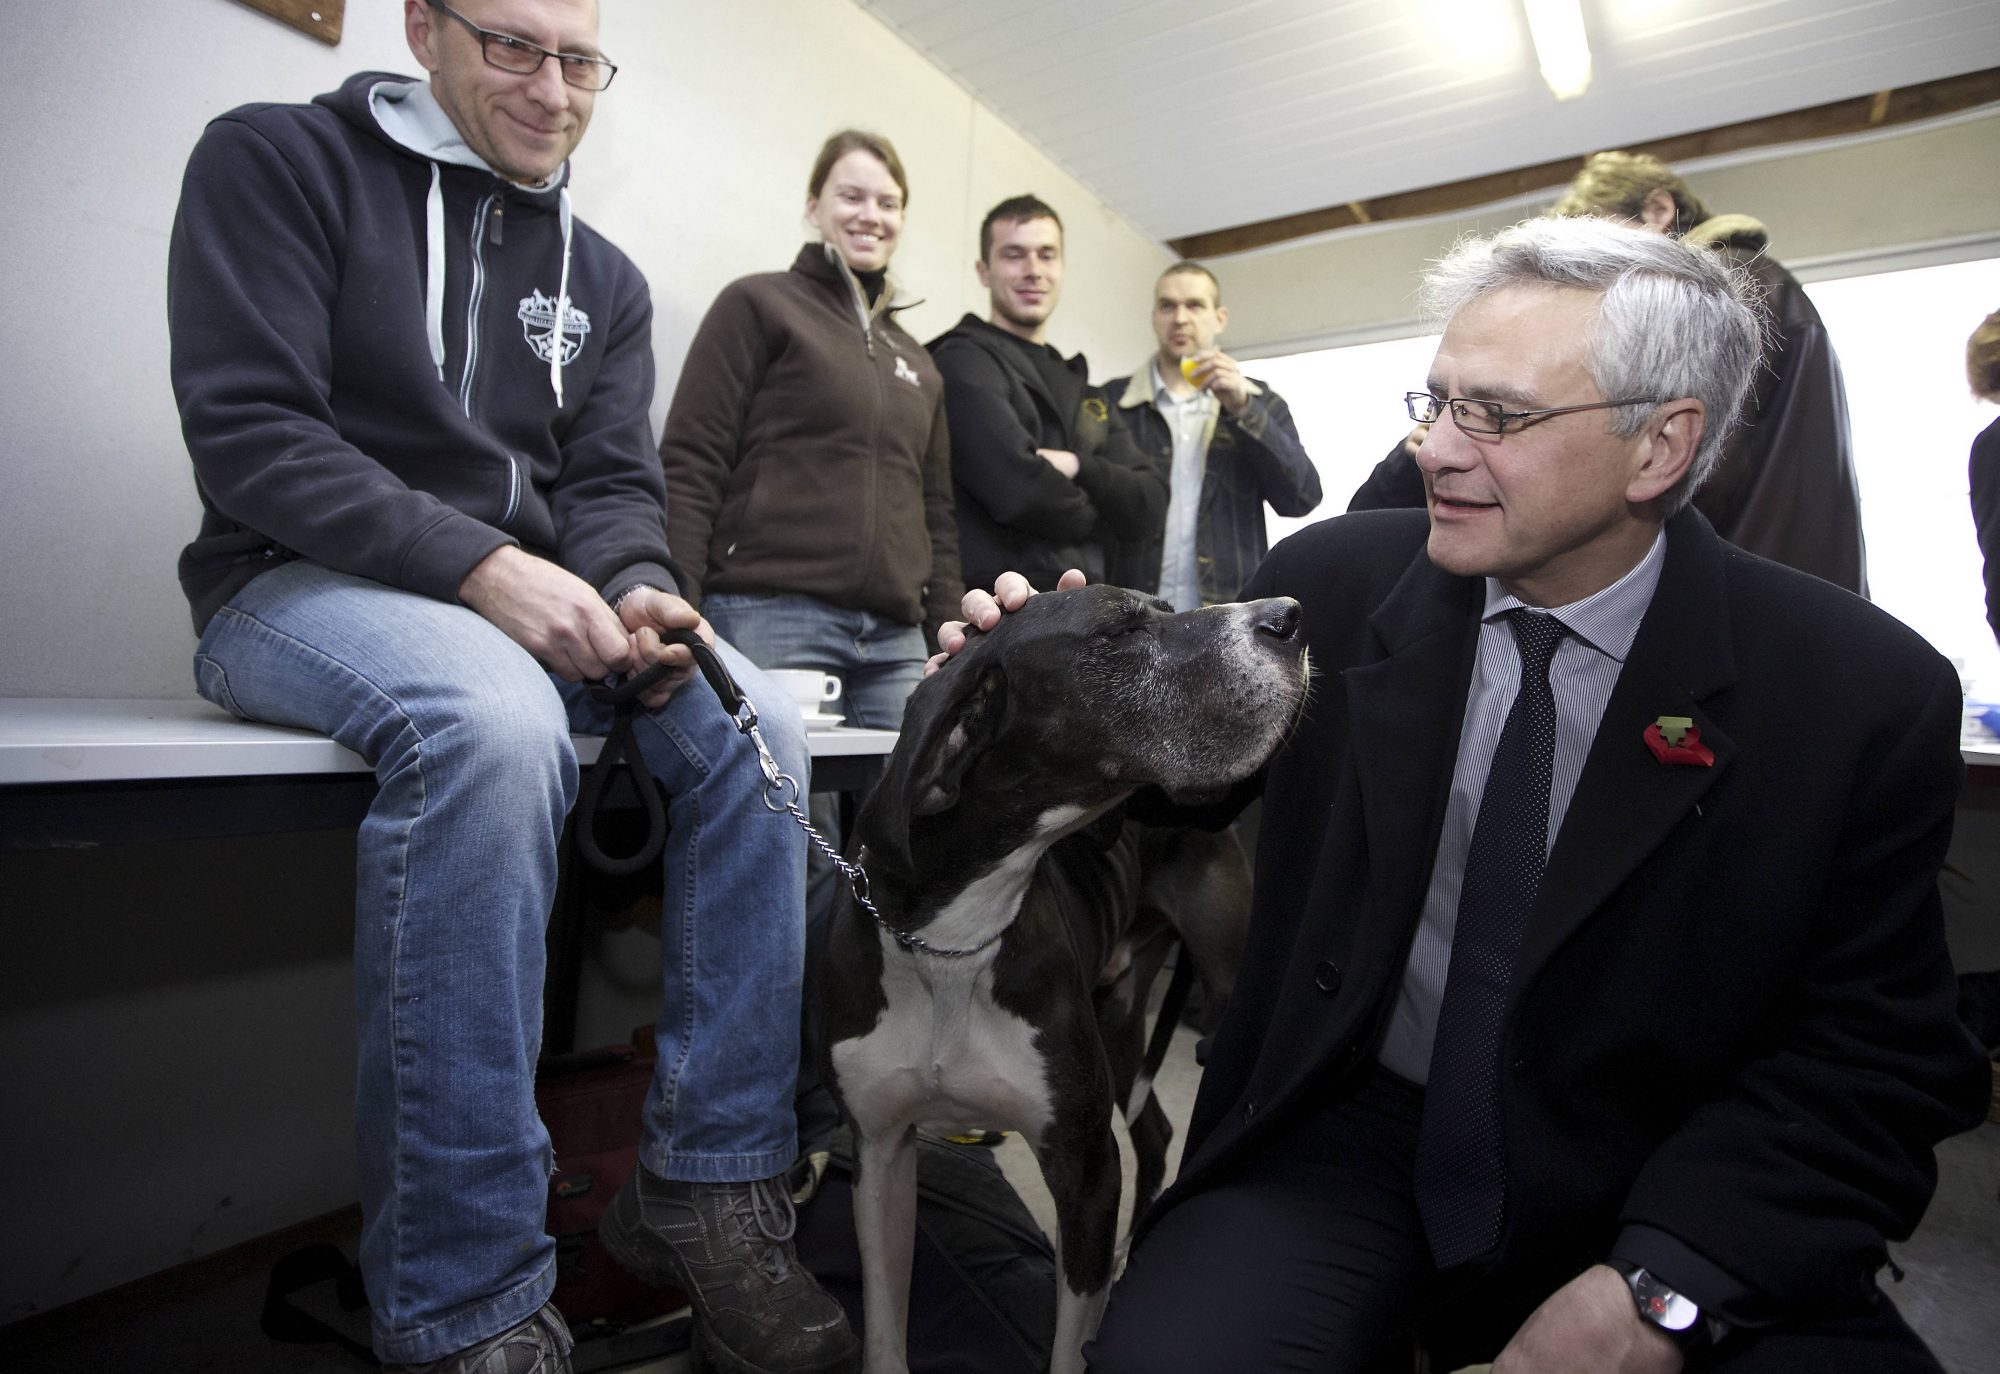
x,y
329,418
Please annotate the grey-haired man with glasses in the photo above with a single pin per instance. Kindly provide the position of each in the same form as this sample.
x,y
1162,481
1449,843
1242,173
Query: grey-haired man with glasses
x,y
415,388
1595,1014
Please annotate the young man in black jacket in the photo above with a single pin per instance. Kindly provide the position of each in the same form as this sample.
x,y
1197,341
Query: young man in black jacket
x,y
415,391
1226,440
1043,477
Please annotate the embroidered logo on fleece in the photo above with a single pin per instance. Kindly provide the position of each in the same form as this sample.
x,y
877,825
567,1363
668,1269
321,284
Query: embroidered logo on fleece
x,y
538,326
906,372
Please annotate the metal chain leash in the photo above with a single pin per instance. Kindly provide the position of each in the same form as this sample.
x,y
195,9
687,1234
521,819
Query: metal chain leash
x,y
781,793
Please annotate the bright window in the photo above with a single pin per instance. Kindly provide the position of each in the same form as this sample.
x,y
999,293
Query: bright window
x,y
1901,340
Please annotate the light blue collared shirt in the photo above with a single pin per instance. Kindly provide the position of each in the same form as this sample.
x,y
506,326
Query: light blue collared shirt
x,y
1190,420
1585,669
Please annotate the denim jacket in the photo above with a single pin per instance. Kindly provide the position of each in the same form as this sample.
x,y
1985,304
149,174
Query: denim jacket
x,y
1251,459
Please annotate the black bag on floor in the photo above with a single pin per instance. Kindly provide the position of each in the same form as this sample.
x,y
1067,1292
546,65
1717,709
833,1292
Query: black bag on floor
x,y
983,1276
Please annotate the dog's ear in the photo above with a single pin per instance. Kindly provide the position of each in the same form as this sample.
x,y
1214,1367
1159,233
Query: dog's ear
x,y
950,720
945,752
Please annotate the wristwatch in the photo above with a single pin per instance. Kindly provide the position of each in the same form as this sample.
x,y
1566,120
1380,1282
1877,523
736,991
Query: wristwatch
x,y
1674,1313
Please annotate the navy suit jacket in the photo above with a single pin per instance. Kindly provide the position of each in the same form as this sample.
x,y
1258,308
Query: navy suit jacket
x,y
1732,1015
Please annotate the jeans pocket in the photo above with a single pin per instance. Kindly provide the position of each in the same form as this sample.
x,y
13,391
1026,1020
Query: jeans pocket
x,y
213,684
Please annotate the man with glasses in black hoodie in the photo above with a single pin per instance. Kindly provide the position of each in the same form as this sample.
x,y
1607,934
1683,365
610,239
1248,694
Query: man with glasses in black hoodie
x,y
415,389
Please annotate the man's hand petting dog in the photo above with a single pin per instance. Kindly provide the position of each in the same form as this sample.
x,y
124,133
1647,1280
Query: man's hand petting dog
x,y
982,611
560,619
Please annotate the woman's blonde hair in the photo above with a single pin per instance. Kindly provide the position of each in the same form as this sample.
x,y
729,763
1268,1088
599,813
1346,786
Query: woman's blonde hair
x,y
1982,359
1617,183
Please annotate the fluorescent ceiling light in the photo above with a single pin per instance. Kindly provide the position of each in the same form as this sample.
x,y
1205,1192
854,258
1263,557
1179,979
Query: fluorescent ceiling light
x,y
1560,45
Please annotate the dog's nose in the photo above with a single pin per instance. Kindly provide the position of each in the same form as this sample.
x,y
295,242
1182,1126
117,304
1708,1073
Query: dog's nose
x,y
1276,616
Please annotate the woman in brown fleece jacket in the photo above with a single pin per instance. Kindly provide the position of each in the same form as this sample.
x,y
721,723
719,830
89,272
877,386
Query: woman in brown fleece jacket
x,y
807,459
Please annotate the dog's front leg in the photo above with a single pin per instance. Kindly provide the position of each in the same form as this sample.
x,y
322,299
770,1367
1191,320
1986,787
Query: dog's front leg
x,y
885,1226
1080,1166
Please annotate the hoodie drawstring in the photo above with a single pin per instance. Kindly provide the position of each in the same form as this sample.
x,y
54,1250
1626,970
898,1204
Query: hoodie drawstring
x,y
562,303
434,270
434,282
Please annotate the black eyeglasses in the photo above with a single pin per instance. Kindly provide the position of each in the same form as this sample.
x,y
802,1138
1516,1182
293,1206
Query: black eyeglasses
x,y
522,58
1490,417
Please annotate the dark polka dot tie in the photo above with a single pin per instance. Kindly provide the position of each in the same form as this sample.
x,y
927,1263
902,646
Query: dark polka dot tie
x,y
1460,1178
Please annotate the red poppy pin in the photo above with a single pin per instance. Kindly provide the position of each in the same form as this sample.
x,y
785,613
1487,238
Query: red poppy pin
x,y
1677,739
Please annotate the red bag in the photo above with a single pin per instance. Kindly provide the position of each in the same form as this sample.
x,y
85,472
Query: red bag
x,y
590,1101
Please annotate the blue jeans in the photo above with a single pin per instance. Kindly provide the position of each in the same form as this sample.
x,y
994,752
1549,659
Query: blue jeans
x,y
455,875
879,662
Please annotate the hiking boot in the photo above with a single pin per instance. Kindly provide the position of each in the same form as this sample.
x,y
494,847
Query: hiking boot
x,y
539,1345
728,1246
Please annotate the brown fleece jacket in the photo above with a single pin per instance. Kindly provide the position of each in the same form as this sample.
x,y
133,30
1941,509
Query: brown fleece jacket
x,y
806,450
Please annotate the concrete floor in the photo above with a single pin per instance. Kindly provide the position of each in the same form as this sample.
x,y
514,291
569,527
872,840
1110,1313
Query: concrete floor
x,y
1950,1293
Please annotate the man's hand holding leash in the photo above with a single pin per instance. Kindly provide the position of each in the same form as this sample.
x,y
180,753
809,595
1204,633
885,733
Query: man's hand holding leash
x,y
646,611
560,619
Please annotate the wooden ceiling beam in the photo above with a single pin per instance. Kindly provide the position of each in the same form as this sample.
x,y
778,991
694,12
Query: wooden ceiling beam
x,y
1879,110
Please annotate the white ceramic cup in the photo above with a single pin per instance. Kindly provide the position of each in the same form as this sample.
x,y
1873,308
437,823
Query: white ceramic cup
x,y
809,687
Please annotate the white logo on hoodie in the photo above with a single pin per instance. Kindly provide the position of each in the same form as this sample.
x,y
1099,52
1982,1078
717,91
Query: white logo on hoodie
x,y
538,326
905,372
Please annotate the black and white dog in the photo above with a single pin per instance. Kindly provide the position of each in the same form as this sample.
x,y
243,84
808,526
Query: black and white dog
x,y
967,1000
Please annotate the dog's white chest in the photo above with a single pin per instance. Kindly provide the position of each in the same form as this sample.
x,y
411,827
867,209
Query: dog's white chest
x,y
943,1057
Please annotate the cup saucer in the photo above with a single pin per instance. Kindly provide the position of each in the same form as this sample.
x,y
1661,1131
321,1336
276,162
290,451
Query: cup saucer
x,y
822,720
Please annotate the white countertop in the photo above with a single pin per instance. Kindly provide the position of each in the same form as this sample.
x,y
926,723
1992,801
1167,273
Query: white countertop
x,y
51,739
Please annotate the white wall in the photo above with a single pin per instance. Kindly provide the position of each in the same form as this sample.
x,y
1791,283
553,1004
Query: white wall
x,y
696,165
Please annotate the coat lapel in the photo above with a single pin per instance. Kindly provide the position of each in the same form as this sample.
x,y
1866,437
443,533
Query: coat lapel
x,y
1626,800
1405,712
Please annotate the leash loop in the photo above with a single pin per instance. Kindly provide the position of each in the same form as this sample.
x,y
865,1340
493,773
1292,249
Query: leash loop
x,y
619,750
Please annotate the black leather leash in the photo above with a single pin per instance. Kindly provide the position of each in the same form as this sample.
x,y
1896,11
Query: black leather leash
x,y
623,698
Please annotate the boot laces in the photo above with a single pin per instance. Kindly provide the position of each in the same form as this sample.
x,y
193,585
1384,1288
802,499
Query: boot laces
x,y
764,1212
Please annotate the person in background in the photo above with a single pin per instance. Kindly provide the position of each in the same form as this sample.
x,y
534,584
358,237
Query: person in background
x,y
1982,370
1395,481
808,471
807,458
430,515
1044,478
1785,488
1227,441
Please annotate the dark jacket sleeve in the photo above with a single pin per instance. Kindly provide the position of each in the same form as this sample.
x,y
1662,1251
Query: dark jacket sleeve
x,y
993,454
701,444
252,274
1785,487
1985,475
608,502
1128,488
1392,483
1820,1145
1270,443
947,585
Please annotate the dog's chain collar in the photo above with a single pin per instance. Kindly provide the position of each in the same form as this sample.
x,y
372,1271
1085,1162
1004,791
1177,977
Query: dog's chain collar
x,y
781,793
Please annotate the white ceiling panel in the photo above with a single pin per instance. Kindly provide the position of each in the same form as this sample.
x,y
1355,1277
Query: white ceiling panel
x,y
1192,115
